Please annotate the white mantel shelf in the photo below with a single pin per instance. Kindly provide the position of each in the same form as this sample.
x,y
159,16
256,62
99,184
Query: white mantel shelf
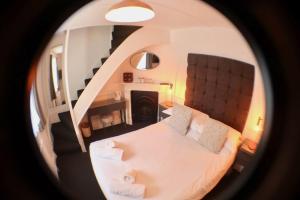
x,y
142,86
128,87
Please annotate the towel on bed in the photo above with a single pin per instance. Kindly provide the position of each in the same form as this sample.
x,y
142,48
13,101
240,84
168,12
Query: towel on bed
x,y
129,176
110,144
127,189
110,153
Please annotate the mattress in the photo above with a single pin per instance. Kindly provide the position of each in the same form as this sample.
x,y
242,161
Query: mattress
x,y
170,165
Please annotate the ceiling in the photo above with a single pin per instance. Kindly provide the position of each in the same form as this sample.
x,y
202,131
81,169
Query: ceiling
x,y
170,14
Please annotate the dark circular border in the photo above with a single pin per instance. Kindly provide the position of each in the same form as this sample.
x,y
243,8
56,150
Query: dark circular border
x,y
271,29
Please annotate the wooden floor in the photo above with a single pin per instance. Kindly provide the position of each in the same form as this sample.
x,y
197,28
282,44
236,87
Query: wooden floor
x,y
77,176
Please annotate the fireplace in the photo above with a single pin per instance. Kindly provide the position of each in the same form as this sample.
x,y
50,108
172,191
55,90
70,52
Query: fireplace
x,y
144,106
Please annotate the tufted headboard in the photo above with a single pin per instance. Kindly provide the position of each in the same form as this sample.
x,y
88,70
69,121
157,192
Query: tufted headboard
x,y
220,87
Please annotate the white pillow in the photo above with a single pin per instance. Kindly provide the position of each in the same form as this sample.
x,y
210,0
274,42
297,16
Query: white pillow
x,y
198,122
193,134
180,118
213,135
197,127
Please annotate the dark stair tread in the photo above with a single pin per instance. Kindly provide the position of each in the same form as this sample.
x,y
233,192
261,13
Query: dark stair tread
x,y
95,70
61,147
103,60
65,118
117,42
79,92
86,81
124,31
73,102
112,50
126,28
62,132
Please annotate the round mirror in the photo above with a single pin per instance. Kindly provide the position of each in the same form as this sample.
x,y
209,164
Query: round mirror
x,y
144,60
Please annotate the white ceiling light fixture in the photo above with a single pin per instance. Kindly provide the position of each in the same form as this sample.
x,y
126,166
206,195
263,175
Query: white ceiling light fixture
x,y
130,11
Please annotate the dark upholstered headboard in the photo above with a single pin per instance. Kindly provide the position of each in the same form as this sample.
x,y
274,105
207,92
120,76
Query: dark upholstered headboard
x,y
220,87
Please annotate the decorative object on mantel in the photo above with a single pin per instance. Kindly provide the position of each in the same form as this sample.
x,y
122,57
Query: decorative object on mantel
x,y
117,95
128,77
145,80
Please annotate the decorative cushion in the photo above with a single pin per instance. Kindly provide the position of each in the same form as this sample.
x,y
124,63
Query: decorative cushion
x,y
198,122
197,126
180,119
213,135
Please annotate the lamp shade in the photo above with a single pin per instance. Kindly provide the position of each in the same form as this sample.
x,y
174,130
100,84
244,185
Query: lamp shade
x,y
130,11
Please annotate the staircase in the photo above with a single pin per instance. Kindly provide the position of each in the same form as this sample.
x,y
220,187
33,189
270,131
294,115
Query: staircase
x,y
64,136
119,34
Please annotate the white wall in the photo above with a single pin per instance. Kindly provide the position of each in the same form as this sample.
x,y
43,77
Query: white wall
x,y
45,144
165,72
44,138
223,42
86,48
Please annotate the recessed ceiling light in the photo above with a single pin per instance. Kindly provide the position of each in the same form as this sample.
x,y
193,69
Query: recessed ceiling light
x,y
130,11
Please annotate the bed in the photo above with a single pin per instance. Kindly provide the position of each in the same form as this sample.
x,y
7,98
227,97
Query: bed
x,y
173,166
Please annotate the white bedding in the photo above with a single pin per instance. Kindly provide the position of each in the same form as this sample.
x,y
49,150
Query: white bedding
x,y
171,166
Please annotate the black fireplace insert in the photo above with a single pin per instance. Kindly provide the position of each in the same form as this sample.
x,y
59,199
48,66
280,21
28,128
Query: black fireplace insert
x,y
144,106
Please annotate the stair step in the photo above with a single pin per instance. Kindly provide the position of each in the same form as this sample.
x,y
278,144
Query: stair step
x,y
124,31
61,148
65,118
120,33
95,70
86,81
103,60
79,92
62,132
64,138
126,28
112,50
117,42
73,102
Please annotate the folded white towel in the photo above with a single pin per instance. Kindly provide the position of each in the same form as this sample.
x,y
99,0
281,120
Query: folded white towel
x,y
129,176
127,189
110,153
110,144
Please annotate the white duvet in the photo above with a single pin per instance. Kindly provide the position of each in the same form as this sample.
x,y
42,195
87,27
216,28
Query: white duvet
x,y
171,166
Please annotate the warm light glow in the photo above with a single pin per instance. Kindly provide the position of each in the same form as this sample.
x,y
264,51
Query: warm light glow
x,y
180,90
259,124
257,129
130,11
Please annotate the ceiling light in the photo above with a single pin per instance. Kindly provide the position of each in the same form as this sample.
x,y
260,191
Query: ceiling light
x,y
130,11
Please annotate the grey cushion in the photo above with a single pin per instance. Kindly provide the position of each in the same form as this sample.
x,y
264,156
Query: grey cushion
x,y
180,119
213,135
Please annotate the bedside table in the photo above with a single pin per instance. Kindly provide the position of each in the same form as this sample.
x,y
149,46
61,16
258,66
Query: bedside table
x,y
161,107
244,155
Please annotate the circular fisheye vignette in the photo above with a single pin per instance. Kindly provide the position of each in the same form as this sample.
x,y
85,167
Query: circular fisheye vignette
x,y
265,76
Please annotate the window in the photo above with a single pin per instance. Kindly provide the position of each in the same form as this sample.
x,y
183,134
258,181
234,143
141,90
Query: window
x,y
37,120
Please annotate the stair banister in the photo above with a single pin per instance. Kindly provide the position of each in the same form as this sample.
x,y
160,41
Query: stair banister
x,y
67,93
